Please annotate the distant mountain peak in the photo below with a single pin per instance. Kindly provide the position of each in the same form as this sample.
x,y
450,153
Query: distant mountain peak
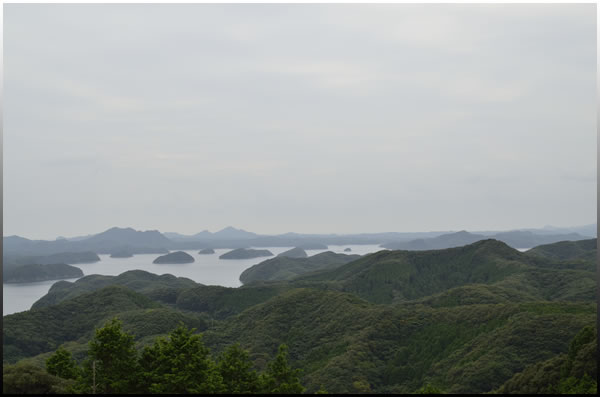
x,y
462,233
131,236
231,229
492,242
15,237
203,233
231,232
120,228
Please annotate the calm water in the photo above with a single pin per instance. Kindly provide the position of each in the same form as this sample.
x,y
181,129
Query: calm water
x,y
523,249
207,269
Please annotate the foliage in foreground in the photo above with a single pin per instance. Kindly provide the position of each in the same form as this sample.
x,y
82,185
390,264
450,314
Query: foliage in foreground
x,y
25,378
179,363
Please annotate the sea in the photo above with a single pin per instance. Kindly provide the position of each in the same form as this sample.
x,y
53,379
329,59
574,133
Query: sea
x,y
207,269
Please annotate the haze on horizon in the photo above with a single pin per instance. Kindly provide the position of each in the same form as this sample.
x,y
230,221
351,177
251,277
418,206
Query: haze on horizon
x,y
311,118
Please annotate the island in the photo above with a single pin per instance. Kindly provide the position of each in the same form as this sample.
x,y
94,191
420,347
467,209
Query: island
x,y
245,253
69,258
174,258
34,272
294,253
124,253
207,251
348,250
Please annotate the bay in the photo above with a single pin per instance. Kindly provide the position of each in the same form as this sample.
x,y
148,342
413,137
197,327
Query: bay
x,y
207,269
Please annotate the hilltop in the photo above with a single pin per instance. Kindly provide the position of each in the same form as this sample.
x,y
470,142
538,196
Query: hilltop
x,y
162,288
567,250
389,276
285,268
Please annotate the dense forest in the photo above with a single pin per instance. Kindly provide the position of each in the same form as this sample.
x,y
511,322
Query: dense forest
x,y
178,363
482,318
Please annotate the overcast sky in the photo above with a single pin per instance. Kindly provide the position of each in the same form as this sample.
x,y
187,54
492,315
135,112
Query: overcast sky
x,y
307,118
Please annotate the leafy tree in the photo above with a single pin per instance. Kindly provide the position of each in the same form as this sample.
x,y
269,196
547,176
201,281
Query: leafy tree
x,y
180,364
572,385
112,366
362,386
586,335
24,378
280,377
236,369
62,364
429,389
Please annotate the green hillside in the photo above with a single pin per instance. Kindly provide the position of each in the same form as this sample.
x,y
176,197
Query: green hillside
x,y
573,372
285,268
221,302
37,331
567,250
348,343
395,276
162,287
33,332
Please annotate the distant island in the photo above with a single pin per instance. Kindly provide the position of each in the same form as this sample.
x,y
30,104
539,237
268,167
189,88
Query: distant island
x,y
174,258
33,273
245,253
121,254
294,253
207,251
69,258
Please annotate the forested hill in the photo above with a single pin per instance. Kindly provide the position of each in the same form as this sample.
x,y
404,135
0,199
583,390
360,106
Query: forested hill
x,y
33,273
568,250
161,288
474,319
285,268
391,276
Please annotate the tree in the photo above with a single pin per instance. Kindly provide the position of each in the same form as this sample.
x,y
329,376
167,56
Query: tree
x,y
61,364
24,378
180,364
572,385
586,335
280,378
236,369
429,389
112,366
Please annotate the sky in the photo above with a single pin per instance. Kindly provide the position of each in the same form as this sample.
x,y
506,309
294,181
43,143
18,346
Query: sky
x,y
311,118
